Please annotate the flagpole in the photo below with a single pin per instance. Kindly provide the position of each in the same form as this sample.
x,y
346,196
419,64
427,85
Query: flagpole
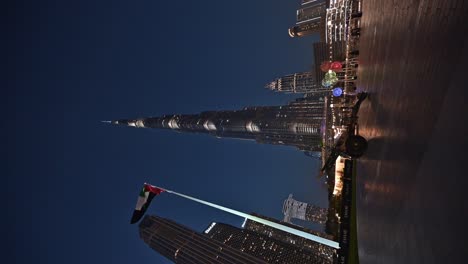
x,y
288,229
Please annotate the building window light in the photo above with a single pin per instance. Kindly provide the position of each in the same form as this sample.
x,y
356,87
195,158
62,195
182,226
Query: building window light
x,y
173,124
209,125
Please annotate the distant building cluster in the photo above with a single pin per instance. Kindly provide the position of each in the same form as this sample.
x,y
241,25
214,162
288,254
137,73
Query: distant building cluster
x,y
334,21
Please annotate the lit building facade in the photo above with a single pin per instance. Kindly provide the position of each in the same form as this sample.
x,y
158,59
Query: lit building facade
x,y
183,245
303,82
338,16
310,19
261,246
311,82
303,211
297,124
343,26
339,173
321,250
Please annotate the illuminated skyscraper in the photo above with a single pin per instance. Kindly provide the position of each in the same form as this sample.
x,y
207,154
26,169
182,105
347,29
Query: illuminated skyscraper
x,y
298,124
310,19
324,251
303,211
303,82
263,246
311,82
183,245
222,243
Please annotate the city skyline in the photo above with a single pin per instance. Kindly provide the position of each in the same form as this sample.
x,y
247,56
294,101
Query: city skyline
x,y
88,63
71,181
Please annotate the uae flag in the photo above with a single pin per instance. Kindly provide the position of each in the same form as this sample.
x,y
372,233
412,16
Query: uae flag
x,y
144,199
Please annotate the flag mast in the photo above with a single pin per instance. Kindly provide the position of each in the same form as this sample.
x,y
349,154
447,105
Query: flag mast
x,y
284,228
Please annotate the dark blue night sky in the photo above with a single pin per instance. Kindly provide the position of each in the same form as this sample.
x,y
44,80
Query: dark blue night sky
x,y
72,181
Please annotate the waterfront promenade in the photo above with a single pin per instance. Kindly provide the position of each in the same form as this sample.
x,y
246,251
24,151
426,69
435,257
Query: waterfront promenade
x,y
412,183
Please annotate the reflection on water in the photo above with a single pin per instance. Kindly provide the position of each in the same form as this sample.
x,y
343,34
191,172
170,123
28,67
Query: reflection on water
x,y
410,183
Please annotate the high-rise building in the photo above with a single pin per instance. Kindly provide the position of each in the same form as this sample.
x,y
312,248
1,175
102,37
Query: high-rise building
x,y
303,82
338,17
310,19
222,243
273,233
303,211
183,245
262,246
311,82
307,29
310,10
297,124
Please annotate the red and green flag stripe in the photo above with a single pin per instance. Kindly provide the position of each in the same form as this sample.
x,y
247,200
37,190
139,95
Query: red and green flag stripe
x,y
147,193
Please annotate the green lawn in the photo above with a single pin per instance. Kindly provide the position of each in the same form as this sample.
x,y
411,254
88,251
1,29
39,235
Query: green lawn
x,y
353,246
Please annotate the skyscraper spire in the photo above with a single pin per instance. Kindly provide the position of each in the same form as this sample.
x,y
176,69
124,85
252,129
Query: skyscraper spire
x,y
299,124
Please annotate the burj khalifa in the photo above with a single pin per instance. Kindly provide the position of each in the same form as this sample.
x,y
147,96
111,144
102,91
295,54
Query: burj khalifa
x,y
300,123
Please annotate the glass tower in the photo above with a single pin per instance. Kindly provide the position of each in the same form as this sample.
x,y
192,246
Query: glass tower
x,y
324,251
300,123
183,245
263,246
310,19
302,82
